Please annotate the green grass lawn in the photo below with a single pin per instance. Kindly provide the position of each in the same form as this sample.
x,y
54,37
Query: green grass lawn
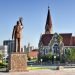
x,y
35,68
40,68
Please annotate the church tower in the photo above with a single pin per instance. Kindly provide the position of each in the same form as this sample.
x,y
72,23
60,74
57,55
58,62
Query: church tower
x,y
48,26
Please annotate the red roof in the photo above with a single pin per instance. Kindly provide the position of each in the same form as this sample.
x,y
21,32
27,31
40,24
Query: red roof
x,y
73,41
33,54
46,38
68,40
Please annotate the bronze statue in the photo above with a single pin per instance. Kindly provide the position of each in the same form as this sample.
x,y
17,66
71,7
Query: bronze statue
x,y
16,35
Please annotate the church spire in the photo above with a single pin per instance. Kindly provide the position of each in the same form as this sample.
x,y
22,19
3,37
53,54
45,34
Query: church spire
x,y
48,26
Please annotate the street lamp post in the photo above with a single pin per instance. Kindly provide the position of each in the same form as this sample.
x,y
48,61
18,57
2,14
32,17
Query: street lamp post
x,y
41,62
54,59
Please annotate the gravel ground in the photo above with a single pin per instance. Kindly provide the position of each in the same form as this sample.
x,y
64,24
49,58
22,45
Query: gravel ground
x,y
42,72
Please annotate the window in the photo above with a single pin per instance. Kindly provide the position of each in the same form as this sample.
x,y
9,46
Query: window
x,y
56,48
46,51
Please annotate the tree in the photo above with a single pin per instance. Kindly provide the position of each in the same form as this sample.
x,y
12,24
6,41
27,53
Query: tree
x,y
1,57
47,57
70,55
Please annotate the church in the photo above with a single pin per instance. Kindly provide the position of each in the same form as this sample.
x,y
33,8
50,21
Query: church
x,y
54,42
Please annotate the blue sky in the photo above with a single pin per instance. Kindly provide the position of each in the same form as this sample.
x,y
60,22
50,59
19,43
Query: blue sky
x,y
34,13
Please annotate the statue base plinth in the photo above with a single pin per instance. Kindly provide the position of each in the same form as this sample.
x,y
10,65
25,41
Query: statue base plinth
x,y
18,62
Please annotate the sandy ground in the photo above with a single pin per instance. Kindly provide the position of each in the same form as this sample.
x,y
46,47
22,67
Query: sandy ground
x,y
42,72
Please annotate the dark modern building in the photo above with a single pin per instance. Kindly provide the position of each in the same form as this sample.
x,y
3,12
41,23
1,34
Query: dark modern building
x,y
10,44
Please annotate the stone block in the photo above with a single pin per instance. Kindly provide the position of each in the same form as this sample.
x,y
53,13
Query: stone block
x,y
60,68
18,62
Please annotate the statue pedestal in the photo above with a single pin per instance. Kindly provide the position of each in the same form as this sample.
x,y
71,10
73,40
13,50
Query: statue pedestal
x,y
18,62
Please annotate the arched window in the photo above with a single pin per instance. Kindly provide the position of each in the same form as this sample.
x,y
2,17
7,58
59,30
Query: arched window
x,y
56,48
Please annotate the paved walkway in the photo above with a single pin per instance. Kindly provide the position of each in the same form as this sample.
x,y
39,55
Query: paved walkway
x,y
42,72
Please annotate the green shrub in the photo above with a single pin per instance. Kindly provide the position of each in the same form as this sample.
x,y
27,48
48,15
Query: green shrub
x,y
2,65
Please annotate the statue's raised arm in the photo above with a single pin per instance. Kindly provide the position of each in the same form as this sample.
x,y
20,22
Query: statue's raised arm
x,y
20,20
